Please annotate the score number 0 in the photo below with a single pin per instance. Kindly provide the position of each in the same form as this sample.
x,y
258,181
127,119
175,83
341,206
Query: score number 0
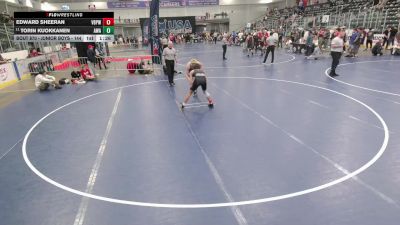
x,y
108,25
108,21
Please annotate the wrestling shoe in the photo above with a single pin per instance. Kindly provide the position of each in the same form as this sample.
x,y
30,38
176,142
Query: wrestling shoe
x,y
210,103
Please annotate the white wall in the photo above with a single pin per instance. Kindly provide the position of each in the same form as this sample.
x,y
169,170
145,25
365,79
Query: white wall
x,y
23,54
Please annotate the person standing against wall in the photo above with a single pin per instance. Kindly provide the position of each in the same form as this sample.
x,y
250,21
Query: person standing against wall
x,y
169,60
336,51
224,46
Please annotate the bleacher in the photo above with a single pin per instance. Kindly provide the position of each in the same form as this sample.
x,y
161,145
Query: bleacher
x,y
393,9
341,13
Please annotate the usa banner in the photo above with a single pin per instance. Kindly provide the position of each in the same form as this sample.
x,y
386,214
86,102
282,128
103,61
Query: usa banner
x,y
154,30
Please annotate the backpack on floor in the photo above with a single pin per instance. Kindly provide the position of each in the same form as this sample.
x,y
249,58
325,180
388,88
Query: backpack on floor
x,y
63,81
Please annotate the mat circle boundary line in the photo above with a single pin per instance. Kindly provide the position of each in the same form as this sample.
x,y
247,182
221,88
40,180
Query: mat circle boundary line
x,y
209,205
361,87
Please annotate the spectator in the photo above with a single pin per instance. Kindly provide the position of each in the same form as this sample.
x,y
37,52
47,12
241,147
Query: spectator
x,y
224,46
172,37
43,81
250,45
309,44
327,35
363,35
91,55
377,49
143,68
280,38
386,37
38,51
33,53
301,6
132,66
86,74
354,42
321,37
370,37
381,4
396,48
215,35
120,40
288,45
392,35
76,77
164,42
100,57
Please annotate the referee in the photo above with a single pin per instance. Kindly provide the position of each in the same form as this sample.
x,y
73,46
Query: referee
x,y
336,51
169,59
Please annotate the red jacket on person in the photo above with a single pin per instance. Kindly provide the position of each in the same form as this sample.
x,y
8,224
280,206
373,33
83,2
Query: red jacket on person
x,y
85,72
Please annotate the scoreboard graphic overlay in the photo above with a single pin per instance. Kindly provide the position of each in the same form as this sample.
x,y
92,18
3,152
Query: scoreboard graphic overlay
x,y
64,26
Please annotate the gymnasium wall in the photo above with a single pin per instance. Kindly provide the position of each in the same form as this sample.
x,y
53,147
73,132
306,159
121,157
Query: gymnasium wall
x,y
238,12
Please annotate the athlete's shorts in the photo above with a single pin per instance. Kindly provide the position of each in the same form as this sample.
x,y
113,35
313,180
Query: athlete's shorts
x,y
199,81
